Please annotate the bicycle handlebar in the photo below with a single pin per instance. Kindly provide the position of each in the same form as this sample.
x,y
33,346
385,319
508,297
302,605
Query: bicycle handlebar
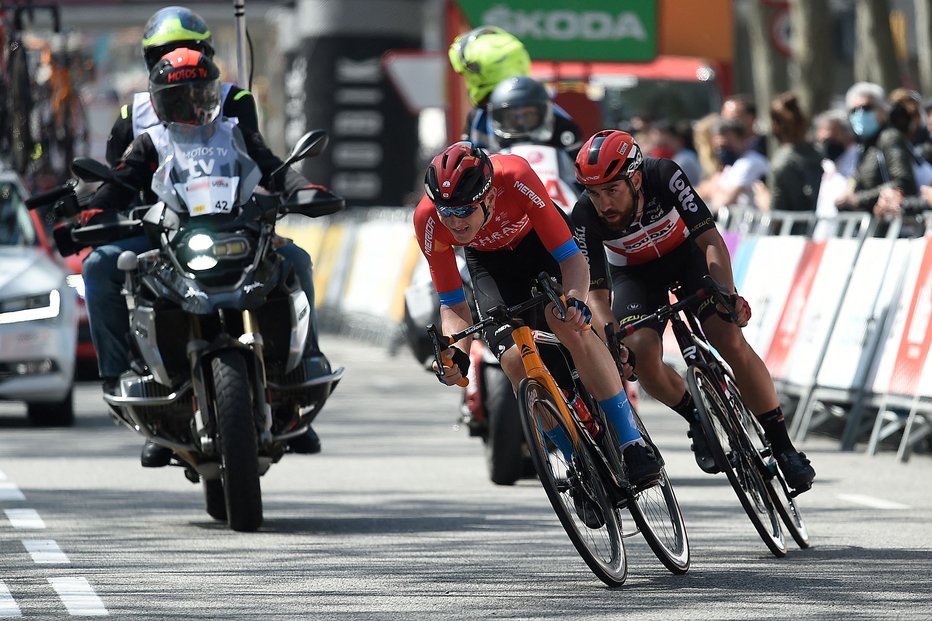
x,y
712,289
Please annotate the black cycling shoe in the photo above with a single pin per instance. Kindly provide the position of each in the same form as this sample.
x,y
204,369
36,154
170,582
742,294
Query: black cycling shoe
x,y
700,447
305,444
586,508
155,455
642,465
796,469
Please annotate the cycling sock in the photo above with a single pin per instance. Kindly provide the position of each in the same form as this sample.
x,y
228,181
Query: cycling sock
x,y
775,430
618,411
686,408
558,436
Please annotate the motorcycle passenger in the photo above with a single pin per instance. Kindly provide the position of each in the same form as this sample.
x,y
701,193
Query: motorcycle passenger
x,y
497,208
656,230
485,56
185,89
168,29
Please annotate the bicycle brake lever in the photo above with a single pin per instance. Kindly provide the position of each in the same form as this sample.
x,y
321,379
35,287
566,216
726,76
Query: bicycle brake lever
x,y
550,289
440,342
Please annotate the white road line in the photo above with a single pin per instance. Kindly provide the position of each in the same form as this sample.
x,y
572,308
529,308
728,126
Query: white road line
x,y
45,551
870,501
2,475
10,491
8,607
79,597
24,518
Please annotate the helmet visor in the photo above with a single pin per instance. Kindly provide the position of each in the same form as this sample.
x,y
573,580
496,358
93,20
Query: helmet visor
x,y
196,103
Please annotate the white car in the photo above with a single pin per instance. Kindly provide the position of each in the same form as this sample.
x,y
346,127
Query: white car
x,y
38,314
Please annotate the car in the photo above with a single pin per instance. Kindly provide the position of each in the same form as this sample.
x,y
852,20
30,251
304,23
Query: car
x,y
38,314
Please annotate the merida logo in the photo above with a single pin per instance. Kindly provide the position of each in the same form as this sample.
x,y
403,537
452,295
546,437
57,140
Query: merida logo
x,y
686,197
530,194
567,24
429,236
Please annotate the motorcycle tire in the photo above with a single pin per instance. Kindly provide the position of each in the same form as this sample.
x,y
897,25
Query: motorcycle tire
x,y
504,452
236,435
214,499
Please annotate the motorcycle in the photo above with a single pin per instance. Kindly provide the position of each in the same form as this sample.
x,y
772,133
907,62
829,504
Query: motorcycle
x,y
217,323
489,409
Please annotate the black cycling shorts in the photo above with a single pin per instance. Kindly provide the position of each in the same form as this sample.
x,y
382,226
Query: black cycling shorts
x,y
639,290
505,277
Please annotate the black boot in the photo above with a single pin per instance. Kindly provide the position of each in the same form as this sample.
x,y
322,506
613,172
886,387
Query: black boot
x,y
306,444
155,455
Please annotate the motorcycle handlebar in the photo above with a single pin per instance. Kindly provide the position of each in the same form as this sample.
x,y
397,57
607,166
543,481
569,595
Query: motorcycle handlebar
x,y
45,198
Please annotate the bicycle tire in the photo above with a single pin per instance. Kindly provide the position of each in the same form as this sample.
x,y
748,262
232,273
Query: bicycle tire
x,y
779,490
739,461
601,548
657,515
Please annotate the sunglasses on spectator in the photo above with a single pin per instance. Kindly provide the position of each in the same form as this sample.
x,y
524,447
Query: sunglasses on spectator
x,y
865,107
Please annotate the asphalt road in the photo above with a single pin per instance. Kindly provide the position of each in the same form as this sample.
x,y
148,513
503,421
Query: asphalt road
x,y
396,519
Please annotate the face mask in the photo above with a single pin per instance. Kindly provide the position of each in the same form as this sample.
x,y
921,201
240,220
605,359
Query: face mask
x,y
832,149
726,156
864,124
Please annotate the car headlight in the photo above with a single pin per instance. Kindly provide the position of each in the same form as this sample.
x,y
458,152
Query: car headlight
x,y
30,308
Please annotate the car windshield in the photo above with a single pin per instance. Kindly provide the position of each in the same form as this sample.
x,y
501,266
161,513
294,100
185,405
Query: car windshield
x,y
16,227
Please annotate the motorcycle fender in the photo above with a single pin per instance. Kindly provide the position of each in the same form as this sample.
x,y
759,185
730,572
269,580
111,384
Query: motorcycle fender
x,y
300,326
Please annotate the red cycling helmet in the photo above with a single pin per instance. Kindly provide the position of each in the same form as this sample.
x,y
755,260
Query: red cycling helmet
x,y
607,156
458,178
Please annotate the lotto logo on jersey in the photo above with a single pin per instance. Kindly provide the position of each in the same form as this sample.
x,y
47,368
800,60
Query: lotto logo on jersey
x,y
686,197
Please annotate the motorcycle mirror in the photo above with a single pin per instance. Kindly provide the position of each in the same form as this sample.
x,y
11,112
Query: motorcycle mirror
x,y
310,144
88,169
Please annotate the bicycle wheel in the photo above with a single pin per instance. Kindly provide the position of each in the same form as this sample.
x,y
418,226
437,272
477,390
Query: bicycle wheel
x,y
602,548
657,514
734,455
779,490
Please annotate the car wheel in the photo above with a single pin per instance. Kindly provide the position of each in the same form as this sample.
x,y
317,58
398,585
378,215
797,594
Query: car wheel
x,y
52,413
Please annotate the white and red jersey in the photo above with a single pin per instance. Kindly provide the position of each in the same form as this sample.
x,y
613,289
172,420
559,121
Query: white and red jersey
x,y
521,205
669,212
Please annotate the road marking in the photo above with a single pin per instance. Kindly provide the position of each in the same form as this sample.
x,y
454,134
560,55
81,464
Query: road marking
x,y
9,491
8,607
78,597
24,518
2,475
45,551
870,501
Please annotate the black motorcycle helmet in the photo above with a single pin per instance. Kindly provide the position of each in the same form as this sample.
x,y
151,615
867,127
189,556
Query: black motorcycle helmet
x,y
185,88
521,111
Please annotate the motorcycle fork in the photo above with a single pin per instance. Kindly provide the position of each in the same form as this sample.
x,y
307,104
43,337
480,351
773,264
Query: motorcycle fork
x,y
196,345
253,339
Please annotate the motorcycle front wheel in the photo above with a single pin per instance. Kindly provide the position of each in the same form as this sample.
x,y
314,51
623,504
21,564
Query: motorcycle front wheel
x,y
236,435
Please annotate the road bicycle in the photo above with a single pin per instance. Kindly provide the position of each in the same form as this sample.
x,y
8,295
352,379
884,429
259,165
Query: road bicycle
x,y
595,472
735,437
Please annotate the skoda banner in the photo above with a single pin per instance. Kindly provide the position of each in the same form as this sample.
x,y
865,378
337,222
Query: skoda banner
x,y
606,30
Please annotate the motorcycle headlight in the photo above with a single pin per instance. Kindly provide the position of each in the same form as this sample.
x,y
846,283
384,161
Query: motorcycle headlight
x,y
30,308
204,250
200,256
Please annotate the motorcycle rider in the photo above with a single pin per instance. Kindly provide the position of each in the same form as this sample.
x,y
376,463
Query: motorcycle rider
x,y
644,227
185,88
495,206
485,56
168,29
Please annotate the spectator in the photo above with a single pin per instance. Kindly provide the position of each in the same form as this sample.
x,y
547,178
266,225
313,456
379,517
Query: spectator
x,y
926,147
837,141
796,166
742,166
906,117
886,158
674,141
708,161
742,108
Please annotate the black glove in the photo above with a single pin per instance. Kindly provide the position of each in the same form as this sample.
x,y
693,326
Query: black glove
x,y
579,305
460,359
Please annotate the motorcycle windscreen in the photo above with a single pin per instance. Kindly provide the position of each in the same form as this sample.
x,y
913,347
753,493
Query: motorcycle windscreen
x,y
205,169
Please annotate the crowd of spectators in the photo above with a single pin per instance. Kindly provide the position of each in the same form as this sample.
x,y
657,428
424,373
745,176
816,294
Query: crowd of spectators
x,y
874,155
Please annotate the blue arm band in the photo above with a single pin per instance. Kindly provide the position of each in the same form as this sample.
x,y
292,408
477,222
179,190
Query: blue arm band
x,y
451,298
565,251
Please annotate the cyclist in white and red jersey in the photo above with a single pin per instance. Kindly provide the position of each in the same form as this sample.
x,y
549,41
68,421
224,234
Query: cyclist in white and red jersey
x,y
644,228
498,209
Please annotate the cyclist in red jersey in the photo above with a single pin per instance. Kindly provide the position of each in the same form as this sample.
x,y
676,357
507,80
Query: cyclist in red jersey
x,y
498,209
655,230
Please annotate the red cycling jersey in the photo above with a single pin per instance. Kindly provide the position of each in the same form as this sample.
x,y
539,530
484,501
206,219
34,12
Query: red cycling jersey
x,y
521,204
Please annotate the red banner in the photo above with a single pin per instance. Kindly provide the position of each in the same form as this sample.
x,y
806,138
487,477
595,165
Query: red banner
x,y
917,334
